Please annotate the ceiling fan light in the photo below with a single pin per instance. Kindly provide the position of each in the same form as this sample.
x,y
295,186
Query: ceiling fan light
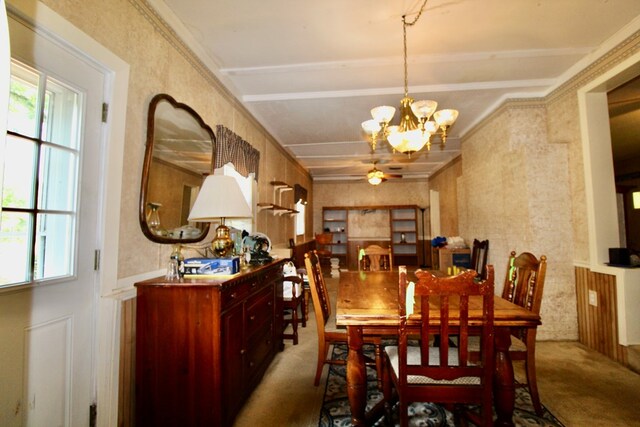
x,y
423,109
375,176
445,117
383,114
371,127
375,180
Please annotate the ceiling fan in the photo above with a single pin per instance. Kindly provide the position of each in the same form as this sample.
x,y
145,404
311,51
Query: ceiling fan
x,y
375,176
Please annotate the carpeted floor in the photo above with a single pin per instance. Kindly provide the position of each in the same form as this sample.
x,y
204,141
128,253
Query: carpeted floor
x,y
335,410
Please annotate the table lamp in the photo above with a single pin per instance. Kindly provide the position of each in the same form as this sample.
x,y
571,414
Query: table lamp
x,y
220,197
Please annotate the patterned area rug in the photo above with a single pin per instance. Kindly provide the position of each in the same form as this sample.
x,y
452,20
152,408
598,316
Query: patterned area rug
x,y
336,413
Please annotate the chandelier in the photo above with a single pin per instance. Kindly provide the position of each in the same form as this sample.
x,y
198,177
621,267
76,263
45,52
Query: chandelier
x,y
416,127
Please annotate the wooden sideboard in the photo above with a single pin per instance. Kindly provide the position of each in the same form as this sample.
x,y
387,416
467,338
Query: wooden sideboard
x,y
202,345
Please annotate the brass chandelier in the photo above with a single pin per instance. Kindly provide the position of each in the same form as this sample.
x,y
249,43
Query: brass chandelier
x,y
416,127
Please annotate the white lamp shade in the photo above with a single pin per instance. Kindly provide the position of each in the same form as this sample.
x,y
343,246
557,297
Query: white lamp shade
x,y
219,197
445,117
371,127
383,114
424,109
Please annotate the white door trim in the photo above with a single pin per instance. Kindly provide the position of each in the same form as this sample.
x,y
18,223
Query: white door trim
x,y
116,92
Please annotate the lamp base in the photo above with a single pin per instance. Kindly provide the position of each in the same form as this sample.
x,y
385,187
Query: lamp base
x,y
222,245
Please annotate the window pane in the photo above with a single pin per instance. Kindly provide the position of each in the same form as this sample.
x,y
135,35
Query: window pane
x,y
61,122
58,170
54,245
300,226
19,173
23,101
14,247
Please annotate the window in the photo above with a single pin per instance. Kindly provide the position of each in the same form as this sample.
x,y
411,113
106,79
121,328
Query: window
x,y
300,226
39,195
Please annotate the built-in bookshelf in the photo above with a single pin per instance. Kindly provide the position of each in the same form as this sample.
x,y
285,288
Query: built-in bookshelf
x,y
403,233
336,221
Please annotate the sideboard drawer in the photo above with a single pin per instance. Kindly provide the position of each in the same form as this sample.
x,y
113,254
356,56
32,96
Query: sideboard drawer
x,y
234,294
259,309
259,346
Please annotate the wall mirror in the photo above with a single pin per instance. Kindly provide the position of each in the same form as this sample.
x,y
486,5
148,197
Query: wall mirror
x,y
178,156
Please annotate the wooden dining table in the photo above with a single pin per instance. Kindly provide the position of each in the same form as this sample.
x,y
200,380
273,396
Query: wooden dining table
x,y
367,305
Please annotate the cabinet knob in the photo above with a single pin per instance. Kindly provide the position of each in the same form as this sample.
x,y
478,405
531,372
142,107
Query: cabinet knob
x,y
234,295
251,364
252,317
270,303
243,351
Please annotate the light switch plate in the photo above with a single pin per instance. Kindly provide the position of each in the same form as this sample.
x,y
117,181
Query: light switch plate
x,y
593,298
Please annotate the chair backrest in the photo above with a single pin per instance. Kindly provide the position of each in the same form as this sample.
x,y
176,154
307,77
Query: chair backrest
x,y
379,258
455,298
524,281
479,252
319,293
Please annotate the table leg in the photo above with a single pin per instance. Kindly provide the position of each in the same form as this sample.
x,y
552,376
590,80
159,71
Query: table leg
x,y
356,376
503,386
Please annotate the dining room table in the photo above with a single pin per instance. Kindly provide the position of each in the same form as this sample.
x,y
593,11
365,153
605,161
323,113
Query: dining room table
x,y
367,305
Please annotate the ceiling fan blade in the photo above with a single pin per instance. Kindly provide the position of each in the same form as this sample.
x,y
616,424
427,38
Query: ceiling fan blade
x,y
392,175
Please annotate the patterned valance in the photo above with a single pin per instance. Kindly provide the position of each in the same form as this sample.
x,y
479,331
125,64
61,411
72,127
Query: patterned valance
x,y
230,148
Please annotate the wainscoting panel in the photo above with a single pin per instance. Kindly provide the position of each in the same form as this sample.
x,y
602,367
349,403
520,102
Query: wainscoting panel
x,y
127,382
598,324
47,373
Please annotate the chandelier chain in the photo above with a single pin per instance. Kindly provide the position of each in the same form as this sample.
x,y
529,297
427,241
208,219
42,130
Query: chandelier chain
x,y
406,24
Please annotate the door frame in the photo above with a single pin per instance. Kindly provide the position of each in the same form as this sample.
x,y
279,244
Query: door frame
x,y
116,71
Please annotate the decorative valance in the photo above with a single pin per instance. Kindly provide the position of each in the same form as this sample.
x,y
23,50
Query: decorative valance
x,y
231,148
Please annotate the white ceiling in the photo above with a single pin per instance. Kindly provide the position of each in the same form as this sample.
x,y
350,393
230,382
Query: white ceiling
x,y
311,71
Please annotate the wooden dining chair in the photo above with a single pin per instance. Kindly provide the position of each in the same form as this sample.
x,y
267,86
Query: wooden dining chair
x,y
375,258
524,285
479,253
443,374
328,334
292,300
324,248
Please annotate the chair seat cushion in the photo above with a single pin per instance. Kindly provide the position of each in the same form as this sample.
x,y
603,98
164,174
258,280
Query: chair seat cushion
x,y
287,289
413,358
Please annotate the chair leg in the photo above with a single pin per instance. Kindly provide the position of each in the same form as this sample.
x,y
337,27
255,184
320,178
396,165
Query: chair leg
x,y
304,307
379,368
403,409
294,324
322,357
530,368
387,391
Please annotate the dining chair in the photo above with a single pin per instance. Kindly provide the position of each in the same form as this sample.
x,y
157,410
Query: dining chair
x,y
374,258
524,285
328,333
292,299
479,252
324,248
443,374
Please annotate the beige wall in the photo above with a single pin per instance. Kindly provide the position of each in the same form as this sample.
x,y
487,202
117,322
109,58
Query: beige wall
x,y
160,63
515,192
445,182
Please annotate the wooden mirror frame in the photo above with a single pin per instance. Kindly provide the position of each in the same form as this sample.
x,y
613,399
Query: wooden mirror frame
x,y
148,159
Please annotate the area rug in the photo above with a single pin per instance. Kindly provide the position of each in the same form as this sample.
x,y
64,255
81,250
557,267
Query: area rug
x,y
336,413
